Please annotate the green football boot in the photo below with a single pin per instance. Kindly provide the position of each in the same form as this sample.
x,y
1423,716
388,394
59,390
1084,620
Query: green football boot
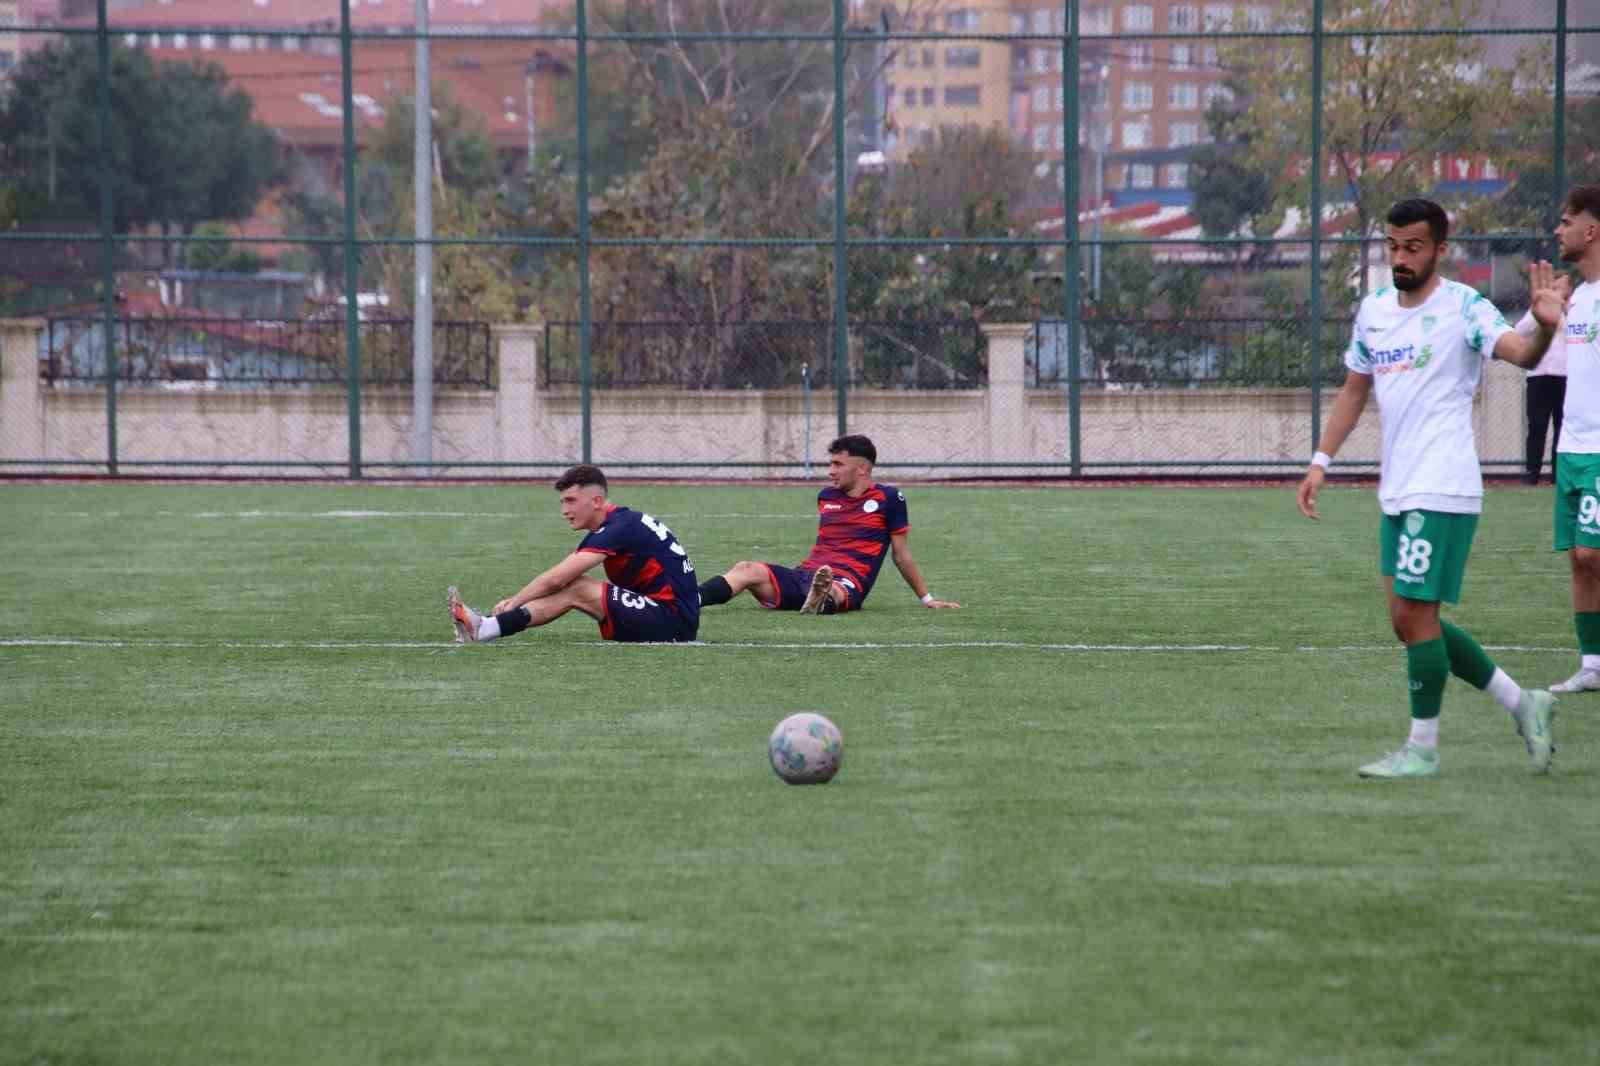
x,y
1536,720
1413,760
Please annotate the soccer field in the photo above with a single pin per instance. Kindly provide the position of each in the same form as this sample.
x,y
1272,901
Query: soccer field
x,y
257,808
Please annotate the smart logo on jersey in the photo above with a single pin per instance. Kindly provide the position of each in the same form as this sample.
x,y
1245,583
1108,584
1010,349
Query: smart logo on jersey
x,y
1393,360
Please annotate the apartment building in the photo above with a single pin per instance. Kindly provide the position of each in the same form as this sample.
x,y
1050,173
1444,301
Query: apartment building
x,y
946,81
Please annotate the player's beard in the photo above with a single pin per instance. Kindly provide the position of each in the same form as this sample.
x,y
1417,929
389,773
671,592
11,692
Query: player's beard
x,y
1572,255
1412,282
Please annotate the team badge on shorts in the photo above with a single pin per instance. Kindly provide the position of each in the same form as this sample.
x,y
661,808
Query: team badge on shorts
x,y
1414,523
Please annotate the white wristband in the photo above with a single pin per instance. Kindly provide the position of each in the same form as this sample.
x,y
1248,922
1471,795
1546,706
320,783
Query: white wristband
x,y
1322,459
927,597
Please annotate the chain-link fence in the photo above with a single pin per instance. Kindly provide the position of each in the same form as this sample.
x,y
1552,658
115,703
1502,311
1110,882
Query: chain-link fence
x,y
1022,237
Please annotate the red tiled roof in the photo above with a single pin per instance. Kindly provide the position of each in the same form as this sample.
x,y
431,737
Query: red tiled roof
x,y
297,14
298,94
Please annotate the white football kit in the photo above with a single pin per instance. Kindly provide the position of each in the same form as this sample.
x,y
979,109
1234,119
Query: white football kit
x,y
1580,413
1426,363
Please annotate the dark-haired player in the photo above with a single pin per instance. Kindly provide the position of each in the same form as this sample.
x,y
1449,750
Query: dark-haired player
x,y
858,523
1420,346
649,593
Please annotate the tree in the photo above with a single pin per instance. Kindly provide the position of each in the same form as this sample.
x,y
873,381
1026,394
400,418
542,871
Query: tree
x,y
1391,106
183,148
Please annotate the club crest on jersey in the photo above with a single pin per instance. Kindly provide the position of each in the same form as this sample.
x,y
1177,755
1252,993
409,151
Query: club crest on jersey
x,y
1414,523
1428,322
870,506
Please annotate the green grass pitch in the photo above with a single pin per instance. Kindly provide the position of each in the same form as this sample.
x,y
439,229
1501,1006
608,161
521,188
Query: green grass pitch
x,y
257,809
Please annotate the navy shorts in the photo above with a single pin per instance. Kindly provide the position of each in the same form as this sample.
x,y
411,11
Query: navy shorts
x,y
794,585
637,619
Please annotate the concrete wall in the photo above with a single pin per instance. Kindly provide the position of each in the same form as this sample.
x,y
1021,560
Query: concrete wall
x,y
290,431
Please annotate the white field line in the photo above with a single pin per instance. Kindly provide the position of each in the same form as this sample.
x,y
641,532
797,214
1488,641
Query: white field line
x,y
521,515
997,645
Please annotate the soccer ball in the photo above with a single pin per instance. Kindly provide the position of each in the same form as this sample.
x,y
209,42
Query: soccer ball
x,y
806,749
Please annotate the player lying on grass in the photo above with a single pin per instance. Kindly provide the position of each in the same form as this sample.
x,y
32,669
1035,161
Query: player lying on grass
x,y
857,520
649,594
1420,346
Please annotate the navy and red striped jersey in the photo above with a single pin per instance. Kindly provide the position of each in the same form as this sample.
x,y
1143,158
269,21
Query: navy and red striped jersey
x,y
853,532
643,556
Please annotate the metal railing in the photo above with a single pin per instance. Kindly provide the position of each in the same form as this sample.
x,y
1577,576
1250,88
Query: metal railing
x,y
885,354
258,352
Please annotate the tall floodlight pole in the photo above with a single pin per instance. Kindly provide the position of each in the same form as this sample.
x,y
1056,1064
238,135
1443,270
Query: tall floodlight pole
x,y
422,252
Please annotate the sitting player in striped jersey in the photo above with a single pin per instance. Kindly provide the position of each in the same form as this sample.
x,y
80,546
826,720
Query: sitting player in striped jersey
x,y
649,595
858,522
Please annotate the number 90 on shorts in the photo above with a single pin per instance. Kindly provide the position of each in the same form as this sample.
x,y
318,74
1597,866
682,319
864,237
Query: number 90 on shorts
x,y
1426,553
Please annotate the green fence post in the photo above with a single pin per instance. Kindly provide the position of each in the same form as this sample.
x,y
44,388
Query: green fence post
x,y
1559,170
108,248
1071,268
352,259
841,327
1316,222
585,324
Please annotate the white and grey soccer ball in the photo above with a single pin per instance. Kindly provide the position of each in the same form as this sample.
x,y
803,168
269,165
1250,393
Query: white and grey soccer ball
x,y
806,749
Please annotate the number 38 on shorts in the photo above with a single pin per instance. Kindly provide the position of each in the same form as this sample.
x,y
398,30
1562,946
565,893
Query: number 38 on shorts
x,y
1426,553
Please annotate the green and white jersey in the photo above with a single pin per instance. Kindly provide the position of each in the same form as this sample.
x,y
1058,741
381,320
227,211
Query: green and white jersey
x,y
1426,363
1580,413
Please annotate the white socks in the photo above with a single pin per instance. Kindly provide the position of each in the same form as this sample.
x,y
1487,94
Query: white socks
x,y
1505,691
488,628
1425,732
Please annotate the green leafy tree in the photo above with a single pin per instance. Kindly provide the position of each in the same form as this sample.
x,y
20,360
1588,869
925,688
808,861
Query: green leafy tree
x,y
1391,106
183,147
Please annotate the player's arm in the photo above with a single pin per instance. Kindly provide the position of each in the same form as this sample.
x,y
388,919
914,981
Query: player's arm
x,y
900,551
1341,421
1550,293
552,580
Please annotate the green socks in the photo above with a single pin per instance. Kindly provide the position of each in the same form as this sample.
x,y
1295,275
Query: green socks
x,y
1468,660
1428,667
1587,623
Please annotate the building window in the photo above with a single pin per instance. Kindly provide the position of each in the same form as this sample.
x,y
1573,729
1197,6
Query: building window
x,y
1095,20
1041,60
1138,96
1219,17
1060,137
1177,176
1041,138
1183,96
8,60
180,40
1140,55
1210,57
238,42
1183,134
1258,18
1218,94
1137,18
963,19
927,57
1142,176
1019,22
290,44
1181,54
911,57
961,96
1061,98
1041,20
208,41
1135,135
927,97
1041,99
1060,20
963,57
131,40
911,98
1183,18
